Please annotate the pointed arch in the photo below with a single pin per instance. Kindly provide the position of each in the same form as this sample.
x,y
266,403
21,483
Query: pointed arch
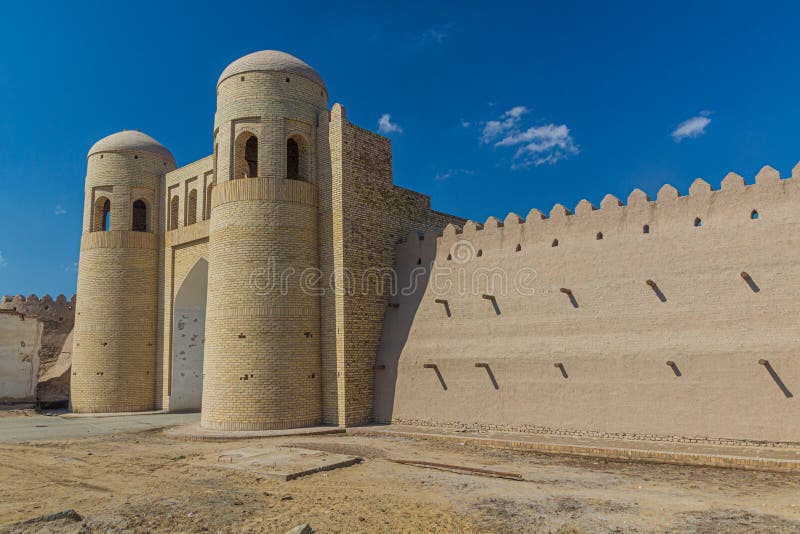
x,y
191,208
139,221
188,340
102,215
209,191
297,158
246,154
174,210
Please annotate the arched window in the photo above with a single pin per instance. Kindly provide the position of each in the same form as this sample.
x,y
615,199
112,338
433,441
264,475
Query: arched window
x,y
139,216
698,222
174,204
246,153
754,215
251,156
519,247
554,243
292,159
209,190
480,253
102,215
599,236
191,208
646,229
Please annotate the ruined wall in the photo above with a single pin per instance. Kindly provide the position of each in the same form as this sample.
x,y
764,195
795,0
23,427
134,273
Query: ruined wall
x,y
54,348
374,215
668,319
20,339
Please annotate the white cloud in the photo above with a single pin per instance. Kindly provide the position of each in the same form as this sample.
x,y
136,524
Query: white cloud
x,y
537,145
59,210
465,123
385,125
449,173
508,121
72,267
434,35
691,128
3,261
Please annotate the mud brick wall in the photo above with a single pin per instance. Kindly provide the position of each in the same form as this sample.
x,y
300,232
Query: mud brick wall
x,y
669,318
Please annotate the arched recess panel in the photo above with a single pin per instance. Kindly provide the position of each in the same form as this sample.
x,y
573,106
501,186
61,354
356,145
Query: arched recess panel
x,y
188,340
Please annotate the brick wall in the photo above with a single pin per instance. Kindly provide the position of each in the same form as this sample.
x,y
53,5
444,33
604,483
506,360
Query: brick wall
x,y
114,353
372,217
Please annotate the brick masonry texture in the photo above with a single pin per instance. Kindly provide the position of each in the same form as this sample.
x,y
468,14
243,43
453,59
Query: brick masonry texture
x,y
114,352
273,358
696,280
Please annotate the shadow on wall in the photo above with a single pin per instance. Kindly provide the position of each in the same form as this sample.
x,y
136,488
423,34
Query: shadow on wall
x,y
396,329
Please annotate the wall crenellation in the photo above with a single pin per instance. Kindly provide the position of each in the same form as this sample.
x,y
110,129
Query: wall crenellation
x,y
613,213
651,319
45,307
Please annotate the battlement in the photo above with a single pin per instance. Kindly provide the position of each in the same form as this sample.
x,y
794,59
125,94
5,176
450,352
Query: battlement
x,y
733,203
59,309
590,318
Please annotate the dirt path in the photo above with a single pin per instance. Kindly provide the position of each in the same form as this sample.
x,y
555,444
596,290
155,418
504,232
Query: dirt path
x,y
148,482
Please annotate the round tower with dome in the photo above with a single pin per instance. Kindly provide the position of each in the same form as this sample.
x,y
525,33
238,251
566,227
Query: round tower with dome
x,y
114,353
227,285
261,366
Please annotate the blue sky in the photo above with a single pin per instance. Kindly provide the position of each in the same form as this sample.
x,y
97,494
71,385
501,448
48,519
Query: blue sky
x,y
491,107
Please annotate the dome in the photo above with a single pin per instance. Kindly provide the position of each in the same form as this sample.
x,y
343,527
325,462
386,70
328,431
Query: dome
x,y
130,141
271,60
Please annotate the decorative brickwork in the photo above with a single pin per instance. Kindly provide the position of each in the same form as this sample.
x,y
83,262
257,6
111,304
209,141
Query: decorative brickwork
x,y
668,320
114,354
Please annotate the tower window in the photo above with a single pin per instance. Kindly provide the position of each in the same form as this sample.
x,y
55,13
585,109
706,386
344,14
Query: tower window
x,y
599,236
102,215
191,208
754,215
246,156
554,243
173,212
139,216
519,247
698,222
251,157
292,159
646,229
480,252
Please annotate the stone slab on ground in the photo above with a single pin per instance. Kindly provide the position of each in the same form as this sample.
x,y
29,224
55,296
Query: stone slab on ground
x,y
284,463
779,459
194,432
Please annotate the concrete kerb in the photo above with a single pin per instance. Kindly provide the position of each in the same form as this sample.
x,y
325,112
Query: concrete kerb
x,y
749,459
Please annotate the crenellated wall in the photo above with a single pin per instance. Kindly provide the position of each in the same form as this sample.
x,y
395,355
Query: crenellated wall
x,y
666,319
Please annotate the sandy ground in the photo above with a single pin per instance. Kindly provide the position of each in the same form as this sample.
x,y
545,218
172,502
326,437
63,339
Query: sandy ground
x,y
147,482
